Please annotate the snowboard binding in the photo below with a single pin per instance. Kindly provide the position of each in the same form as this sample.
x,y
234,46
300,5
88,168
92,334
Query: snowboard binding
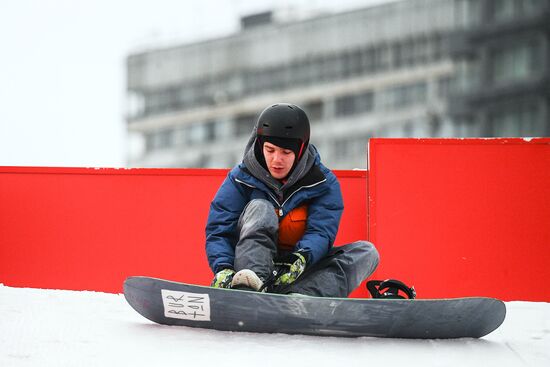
x,y
390,288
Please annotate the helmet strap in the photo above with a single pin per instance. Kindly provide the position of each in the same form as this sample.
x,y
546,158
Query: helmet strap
x,y
301,150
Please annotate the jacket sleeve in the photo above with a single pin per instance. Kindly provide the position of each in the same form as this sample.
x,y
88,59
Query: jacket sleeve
x,y
221,227
324,213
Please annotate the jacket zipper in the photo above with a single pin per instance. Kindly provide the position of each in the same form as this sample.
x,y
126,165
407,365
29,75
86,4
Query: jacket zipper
x,y
254,187
280,211
301,187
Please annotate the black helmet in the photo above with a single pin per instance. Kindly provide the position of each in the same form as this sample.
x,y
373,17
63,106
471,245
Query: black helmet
x,y
284,120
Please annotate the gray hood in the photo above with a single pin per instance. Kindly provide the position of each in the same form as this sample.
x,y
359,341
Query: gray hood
x,y
303,166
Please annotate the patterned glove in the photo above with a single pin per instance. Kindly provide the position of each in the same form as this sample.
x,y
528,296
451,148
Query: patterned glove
x,y
290,266
223,278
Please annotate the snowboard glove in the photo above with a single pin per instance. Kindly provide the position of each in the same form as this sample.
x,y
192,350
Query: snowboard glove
x,y
223,278
290,267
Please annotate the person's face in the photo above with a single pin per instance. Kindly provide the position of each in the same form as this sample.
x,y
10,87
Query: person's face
x,y
279,161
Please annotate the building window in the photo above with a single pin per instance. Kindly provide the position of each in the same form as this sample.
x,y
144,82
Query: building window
x,y
504,10
408,129
345,105
444,87
310,70
353,63
466,127
352,104
351,147
158,140
468,12
403,96
531,7
161,101
210,131
417,51
314,110
148,142
467,76
403,54
382,56
520,120
244,124
341,149
368,60
513,63
434,124
197,133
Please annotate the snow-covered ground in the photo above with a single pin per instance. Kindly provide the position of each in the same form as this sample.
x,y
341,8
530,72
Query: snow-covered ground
x,y
66,328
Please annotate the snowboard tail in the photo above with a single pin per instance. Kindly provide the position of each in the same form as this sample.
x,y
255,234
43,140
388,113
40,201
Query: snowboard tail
x,y
172,303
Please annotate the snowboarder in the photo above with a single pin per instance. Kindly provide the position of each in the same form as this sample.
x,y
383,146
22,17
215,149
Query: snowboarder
x,y
272,224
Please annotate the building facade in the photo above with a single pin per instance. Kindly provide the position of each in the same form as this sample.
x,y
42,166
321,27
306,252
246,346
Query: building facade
x,y
501,53
391,70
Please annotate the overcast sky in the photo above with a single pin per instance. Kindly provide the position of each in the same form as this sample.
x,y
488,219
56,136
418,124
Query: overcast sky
x,y
62,68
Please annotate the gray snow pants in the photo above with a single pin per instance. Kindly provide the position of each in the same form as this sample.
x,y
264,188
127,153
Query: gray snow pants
x,y
336,275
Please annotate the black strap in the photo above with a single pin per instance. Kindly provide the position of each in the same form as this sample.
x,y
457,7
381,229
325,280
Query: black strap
x,y
269,283
390,288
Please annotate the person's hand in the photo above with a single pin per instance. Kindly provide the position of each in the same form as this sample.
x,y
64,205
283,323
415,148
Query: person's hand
x,y
223,278
290,266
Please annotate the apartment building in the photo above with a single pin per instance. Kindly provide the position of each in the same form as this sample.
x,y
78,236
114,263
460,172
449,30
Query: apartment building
x,y
392,70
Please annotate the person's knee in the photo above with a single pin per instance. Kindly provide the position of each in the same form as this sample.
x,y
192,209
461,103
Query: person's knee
x,y
368,253
260,213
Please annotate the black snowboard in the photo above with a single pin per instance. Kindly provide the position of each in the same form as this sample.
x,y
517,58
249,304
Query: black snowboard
x,y
173,303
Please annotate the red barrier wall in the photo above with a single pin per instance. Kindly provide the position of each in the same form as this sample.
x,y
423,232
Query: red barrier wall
x,y
453,217
463,217
88,229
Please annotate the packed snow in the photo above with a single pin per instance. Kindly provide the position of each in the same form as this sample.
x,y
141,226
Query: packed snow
x,y
68,328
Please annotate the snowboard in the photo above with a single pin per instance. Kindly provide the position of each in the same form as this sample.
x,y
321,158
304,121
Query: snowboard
x,y
172,303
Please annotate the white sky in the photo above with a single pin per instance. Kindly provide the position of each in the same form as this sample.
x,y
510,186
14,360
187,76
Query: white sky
x,y
62,68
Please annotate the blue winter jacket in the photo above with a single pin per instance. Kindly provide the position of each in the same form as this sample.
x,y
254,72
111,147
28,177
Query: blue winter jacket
x,y
321,192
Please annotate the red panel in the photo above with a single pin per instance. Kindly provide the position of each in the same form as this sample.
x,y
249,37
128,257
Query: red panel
x,y
353,226
88,229
463,217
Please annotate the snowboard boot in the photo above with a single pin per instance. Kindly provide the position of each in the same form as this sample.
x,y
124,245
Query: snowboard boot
x,y
247,280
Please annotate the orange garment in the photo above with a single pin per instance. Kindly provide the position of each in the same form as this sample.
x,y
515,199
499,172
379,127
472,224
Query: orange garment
x,y
292,227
